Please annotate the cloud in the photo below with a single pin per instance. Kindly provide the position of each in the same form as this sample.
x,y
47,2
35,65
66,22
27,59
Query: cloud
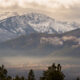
x,y
58,9
47,3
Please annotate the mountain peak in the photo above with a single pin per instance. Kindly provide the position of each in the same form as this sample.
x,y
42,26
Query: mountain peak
x,y
33,23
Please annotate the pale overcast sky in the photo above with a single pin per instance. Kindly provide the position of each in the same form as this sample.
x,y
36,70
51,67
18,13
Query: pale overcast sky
x,y
47,3
59,9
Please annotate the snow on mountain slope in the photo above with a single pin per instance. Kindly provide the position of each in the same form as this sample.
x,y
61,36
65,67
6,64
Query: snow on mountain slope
x,y
33,23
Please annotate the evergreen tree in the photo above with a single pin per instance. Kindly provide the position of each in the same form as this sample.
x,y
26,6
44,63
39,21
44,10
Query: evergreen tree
x,y
53,73
22,78
31,75
9,78
3,73
78,78
17,78
59,67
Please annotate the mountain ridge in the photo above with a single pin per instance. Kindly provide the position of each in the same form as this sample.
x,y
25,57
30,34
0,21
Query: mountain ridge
x,y
16,26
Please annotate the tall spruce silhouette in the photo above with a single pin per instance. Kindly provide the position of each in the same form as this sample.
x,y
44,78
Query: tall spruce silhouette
x,y
78,78
3,73
31,75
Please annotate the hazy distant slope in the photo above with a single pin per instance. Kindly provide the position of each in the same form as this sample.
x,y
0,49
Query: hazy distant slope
x,y
45,44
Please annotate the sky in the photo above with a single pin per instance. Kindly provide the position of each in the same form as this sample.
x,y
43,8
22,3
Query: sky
x,y
59,9
47,3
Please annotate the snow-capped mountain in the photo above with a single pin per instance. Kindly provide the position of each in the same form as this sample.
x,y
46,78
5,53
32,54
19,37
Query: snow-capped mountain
x,y
32,23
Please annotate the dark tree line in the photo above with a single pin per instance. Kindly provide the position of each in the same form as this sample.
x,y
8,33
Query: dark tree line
x,y
52,73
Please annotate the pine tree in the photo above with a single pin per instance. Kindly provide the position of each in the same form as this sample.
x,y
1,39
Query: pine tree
x,y
9,78
53,73
78,78
31,75
22,78
17,78
3,73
